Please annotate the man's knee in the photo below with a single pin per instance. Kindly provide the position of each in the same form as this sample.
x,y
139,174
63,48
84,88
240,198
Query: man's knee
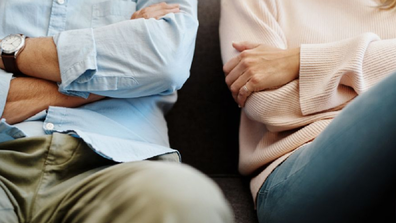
x,y
171,191
7,210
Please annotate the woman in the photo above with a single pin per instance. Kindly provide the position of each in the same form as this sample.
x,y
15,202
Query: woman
x,y
314,80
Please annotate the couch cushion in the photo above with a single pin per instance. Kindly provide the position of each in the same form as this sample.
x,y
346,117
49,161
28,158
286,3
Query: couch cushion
x,y
203,125
236,190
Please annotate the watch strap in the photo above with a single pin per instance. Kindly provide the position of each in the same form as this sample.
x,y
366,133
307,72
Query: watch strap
x,y
10,64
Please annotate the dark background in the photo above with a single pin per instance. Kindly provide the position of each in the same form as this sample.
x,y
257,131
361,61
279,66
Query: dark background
x,y
203,125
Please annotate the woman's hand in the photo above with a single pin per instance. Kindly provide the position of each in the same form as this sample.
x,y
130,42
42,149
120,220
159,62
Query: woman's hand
x,y
156,11
259,67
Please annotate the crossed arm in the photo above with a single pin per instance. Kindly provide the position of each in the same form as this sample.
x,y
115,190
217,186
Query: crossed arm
x,y
259,67
39,62
329,74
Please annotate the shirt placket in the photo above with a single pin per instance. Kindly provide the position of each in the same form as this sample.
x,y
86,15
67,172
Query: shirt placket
x,y
57,21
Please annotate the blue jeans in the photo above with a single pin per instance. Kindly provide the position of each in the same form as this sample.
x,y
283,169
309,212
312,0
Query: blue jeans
x,y
347,174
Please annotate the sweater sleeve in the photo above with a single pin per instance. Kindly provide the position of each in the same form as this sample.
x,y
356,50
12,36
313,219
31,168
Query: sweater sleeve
x,y
332,74
249,20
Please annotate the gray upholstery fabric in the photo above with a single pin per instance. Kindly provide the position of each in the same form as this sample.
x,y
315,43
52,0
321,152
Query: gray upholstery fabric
x,y
236,190
204,123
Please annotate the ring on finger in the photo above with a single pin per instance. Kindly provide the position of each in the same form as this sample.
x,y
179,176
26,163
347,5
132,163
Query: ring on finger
x,y
245,88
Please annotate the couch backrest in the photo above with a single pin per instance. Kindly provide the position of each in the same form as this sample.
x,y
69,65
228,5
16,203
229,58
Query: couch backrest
x,y
203,125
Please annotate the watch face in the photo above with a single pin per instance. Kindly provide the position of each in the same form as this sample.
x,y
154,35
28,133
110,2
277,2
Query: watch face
x,y
12,43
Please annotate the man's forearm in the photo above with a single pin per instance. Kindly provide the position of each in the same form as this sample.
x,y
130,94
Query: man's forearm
x,y
39,59
28,96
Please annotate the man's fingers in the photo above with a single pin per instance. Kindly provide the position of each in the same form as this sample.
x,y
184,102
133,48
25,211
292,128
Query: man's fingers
x,y
163,5
172,6
156,11
135,15
159,13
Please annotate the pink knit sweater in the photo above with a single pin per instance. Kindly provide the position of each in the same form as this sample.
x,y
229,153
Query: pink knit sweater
x,y
347,46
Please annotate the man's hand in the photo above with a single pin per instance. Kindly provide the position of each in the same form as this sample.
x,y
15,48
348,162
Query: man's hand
x,y
39,60
156,11
28,96
259,67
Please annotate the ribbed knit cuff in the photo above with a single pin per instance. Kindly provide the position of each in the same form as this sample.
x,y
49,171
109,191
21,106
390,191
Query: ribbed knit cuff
x,y
329,72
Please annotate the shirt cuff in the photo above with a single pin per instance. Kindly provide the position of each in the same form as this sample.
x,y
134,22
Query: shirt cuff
x,y
5,80
77,59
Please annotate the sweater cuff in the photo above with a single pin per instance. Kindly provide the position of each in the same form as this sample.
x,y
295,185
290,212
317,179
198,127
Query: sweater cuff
x,y
322,67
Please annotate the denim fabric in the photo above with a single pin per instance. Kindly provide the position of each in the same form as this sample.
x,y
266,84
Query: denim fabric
x,y
347,174
138,64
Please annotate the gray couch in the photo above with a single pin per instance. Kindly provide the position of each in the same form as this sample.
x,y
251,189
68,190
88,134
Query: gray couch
x,y
203,125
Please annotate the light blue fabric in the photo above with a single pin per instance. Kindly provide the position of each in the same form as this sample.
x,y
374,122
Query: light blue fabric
x,y
138,64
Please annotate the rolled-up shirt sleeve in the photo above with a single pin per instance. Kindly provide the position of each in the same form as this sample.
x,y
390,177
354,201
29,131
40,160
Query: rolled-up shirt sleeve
x,y
5,79
132,58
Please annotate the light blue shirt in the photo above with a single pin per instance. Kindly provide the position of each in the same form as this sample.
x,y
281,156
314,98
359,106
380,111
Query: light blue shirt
x,y
138,64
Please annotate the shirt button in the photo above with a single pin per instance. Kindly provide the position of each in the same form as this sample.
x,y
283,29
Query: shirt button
x,y
49,126
61,2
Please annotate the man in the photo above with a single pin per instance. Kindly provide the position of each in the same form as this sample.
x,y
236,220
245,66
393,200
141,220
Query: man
x,y
84,112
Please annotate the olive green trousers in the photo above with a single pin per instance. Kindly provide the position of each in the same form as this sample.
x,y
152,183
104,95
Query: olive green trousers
x,y
59,179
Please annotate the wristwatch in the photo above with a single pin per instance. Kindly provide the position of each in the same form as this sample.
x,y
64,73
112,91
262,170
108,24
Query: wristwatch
x,y
10,47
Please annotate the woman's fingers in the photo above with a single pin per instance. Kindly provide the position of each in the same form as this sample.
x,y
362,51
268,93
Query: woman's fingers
x,y
244,93
239,82
234,79
246,45
259,68
231,64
